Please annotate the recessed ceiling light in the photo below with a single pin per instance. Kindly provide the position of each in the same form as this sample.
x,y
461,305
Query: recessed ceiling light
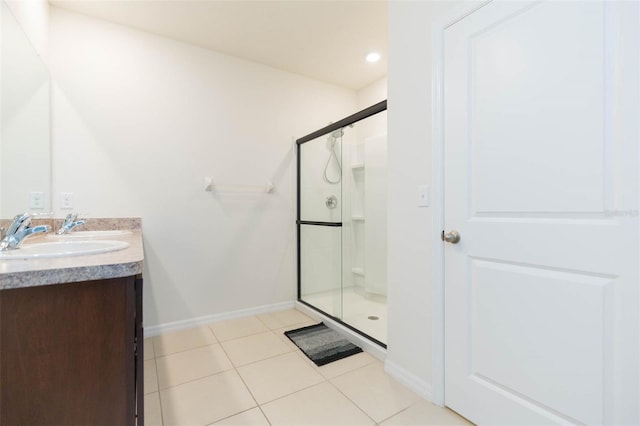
x,y
373,57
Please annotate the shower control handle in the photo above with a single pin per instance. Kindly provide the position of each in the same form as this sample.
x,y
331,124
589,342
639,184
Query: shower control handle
x,y
331,202
451,237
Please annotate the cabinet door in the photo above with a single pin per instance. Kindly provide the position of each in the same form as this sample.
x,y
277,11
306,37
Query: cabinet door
x,y
67,354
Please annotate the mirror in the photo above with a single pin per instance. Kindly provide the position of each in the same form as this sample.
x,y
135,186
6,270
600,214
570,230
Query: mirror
x,y
25,123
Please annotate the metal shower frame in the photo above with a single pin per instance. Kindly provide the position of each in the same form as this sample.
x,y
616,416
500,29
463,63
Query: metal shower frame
x,y
347,121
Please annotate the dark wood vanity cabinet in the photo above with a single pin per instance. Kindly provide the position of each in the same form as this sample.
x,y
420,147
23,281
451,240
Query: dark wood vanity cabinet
x,y
72,354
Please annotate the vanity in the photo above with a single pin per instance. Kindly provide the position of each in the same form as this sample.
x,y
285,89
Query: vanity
x,y
71,338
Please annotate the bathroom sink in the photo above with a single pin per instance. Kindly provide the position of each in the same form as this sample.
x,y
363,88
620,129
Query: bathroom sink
x,y
79,235
62,249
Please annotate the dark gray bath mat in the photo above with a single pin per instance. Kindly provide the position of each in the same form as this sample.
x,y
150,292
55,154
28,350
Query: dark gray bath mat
x,y
321,344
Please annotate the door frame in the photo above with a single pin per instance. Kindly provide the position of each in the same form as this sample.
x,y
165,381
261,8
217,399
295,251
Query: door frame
x,y
438,27
437,135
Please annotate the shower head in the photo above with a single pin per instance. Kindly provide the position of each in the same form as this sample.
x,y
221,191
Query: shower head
x,y
336,134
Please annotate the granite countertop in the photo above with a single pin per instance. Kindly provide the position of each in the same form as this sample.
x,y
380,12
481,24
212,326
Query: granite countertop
x,y
58,270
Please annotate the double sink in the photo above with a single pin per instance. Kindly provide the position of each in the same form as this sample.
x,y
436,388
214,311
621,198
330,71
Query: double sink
x,y
77,243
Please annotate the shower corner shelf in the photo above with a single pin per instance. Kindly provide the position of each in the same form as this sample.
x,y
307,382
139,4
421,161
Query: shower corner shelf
x,y
358,271
357,166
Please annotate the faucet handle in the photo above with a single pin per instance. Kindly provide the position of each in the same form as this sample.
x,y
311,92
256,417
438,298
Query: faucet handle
x,y
69,223
19,222
70,217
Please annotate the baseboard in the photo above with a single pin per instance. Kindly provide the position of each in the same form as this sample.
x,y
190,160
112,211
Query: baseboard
x,y
156,330
408,379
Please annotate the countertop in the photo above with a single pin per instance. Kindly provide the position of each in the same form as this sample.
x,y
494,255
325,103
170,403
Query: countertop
x,y
36,272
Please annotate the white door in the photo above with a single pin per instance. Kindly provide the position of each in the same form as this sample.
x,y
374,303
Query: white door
x,y
541,182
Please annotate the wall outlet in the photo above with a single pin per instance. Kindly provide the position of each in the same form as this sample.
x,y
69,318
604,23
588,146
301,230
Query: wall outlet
x,y
66,200
36,200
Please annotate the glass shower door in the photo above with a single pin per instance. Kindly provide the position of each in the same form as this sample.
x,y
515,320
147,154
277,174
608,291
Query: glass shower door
x,y
342,221
320,222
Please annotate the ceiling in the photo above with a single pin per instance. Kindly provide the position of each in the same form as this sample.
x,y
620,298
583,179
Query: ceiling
x,y
323,39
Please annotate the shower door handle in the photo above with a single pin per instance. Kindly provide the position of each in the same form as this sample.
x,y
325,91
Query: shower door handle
x,y
331,202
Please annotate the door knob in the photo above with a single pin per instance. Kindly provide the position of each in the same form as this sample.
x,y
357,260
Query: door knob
x,y
451,237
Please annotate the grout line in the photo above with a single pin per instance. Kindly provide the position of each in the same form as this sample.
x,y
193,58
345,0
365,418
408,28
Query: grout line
x,y
294,392
283,396
228,417
185,350
401,411
155,351
210,331
263,322
235,369
245,336
260,360
233,366
351,401
264,415
155,363
194,380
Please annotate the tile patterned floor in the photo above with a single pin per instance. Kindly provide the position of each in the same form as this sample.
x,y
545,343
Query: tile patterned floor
x,y
246,372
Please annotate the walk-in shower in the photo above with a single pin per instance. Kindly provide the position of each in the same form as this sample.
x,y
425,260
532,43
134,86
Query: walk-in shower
x,y
341,221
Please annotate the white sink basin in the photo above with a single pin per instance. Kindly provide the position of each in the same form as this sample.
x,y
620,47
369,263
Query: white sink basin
x,y
79,235
62,249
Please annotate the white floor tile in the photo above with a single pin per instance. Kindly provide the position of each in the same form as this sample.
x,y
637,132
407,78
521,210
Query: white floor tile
x,y
152,412
254,348
189,365
320,405
182,340
205,400
375,392
149,353
428,414
280,319
150,377
236,328
202,381
278,376
253,417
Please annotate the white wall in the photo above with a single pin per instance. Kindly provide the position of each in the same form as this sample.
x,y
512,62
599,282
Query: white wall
x,y
33,17
139,120
372,94
409,161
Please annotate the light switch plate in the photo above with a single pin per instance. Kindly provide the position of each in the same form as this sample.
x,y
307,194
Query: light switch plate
x,y
423,196
36,200
66,200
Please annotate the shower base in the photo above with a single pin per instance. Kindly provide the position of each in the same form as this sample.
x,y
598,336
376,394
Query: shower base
x,y
357,308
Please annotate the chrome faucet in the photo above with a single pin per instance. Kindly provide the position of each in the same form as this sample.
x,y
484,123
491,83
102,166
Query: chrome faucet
x,y
20,230
70,222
